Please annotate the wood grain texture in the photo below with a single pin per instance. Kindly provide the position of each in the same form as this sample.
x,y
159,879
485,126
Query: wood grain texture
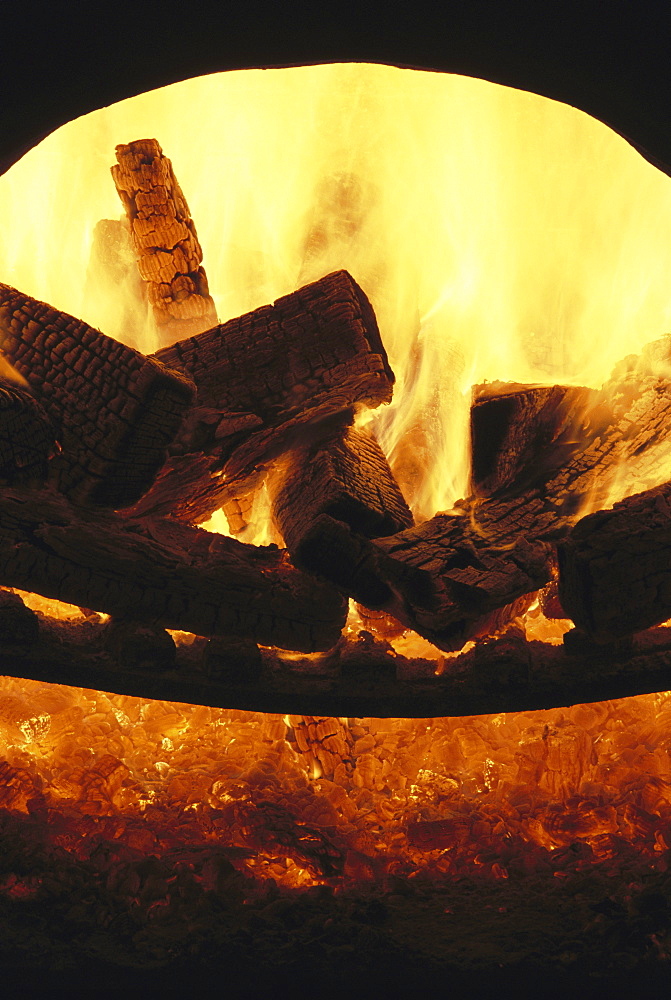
x,y
615,567
164,573
346,477
169,256
264,381
115,411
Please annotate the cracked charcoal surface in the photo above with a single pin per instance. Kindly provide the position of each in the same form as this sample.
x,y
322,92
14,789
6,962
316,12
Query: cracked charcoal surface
x,y
266,377
346,476
614,567
448,572
170,258
27,435
163,573
114,410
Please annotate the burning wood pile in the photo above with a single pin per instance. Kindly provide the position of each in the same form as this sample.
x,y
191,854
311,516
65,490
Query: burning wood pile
x,y
110,459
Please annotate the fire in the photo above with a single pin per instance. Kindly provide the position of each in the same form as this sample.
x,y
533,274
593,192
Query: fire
x,y
499,235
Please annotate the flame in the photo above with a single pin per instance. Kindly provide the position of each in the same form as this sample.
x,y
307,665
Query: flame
x,y
499,235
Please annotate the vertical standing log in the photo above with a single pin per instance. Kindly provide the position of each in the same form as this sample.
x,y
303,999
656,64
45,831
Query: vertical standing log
x,y
170,258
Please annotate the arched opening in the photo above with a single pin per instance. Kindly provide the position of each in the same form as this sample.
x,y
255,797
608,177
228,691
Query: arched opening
x,y
512,246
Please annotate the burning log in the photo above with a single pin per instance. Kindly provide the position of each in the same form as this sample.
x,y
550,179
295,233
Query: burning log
x,y
442,577
340,482
614,576
115,410
445,581
163,573
169,254
520,433
325,740
262,379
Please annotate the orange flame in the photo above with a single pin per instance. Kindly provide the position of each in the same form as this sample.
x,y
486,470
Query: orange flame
x,y
499,235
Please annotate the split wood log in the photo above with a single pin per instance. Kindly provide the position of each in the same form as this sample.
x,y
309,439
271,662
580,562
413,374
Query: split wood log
x,y
170,258
27,436
521,433
115,410
163,573
263,380
502,675
340,482
615,567
442,577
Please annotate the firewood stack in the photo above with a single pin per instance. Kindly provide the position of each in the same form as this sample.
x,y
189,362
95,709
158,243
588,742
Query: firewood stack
x,y
109,459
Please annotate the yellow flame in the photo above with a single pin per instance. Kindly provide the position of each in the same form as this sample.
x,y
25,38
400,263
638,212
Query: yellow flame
x,y
499,235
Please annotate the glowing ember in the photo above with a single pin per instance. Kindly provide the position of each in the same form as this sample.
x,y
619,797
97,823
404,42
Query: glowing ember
x,y
498,795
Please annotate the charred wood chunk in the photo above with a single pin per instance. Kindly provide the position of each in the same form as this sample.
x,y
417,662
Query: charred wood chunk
x,y
27,435
345,477
447,577
264,377
521,433
139,647
185,488
115,410
615,567
170,259
446,580
324,740
232,662
163,573
624,437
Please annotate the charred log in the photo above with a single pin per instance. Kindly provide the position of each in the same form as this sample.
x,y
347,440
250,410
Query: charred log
x,y
115,410
170,258
614,567
521,433
264,380
139,647
163,573
446,581
345,479
500,675
27,436
235,662
444,576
